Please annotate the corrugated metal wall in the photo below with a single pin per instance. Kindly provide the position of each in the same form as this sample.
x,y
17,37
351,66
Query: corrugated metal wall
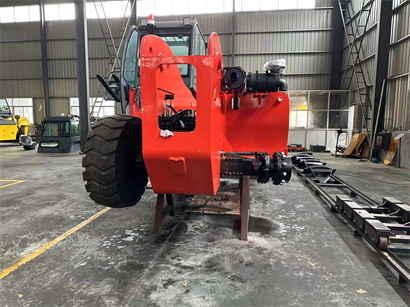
x,y
302,37
219,23
20,60
397,114
62,64
368,49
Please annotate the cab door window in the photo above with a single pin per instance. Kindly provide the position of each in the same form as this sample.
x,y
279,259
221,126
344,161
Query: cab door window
x,y
50,129
65,129
130,59
75,128
200,48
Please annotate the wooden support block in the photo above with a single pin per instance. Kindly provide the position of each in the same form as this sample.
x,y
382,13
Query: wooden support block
x,y
244,207
158,214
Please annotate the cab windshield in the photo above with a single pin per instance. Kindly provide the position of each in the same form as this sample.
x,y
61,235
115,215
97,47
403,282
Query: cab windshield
x,y
4,107
178,44
179,47
50,128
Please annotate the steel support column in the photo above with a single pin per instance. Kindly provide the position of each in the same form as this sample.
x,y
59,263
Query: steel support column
x,y
384,17
82,70
44,57
133,18
337,46
233,34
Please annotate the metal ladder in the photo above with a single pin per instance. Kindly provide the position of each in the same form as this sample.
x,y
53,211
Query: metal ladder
x,y
113,49
352,23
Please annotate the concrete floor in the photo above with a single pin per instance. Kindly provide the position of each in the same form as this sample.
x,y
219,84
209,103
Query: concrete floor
x,y
298,253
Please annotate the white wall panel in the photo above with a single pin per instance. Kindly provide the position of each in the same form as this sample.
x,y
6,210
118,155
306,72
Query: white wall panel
x,y
397,115
297,137
296,63
62,52
400,23
60,29
284,20
20,51
59,106
61,49
62,69
19,31
18,70
21,88
63,88
283,42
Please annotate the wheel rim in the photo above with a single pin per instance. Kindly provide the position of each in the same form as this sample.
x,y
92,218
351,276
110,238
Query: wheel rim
x,y
134,161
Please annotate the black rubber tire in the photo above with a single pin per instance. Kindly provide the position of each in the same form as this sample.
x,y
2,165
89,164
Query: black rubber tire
x,y
29,147
115,173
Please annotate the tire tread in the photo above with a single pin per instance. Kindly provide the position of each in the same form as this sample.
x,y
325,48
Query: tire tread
x,y
102,174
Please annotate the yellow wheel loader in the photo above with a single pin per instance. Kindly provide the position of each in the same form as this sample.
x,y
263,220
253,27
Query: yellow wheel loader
x,y
11,127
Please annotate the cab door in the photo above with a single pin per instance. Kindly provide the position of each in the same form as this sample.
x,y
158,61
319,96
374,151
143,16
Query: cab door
x,y
129,65
198,48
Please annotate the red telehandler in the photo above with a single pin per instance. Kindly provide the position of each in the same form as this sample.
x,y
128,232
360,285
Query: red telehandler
x,y
191,120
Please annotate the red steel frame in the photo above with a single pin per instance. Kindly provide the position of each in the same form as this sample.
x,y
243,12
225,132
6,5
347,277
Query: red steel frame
x,y
189,162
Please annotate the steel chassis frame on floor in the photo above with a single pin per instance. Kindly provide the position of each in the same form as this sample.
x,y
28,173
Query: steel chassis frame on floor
x,y
390,252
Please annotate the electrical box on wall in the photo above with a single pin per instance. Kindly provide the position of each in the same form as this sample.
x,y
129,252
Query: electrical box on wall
x,y
382,141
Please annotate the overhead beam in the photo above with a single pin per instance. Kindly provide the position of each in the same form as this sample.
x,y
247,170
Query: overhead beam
x,y
337,37
82,70
44,58
133,19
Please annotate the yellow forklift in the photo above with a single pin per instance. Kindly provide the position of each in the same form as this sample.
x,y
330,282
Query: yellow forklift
x,y
11,127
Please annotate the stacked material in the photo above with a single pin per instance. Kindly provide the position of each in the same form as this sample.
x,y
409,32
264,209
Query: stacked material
x,y
355,146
